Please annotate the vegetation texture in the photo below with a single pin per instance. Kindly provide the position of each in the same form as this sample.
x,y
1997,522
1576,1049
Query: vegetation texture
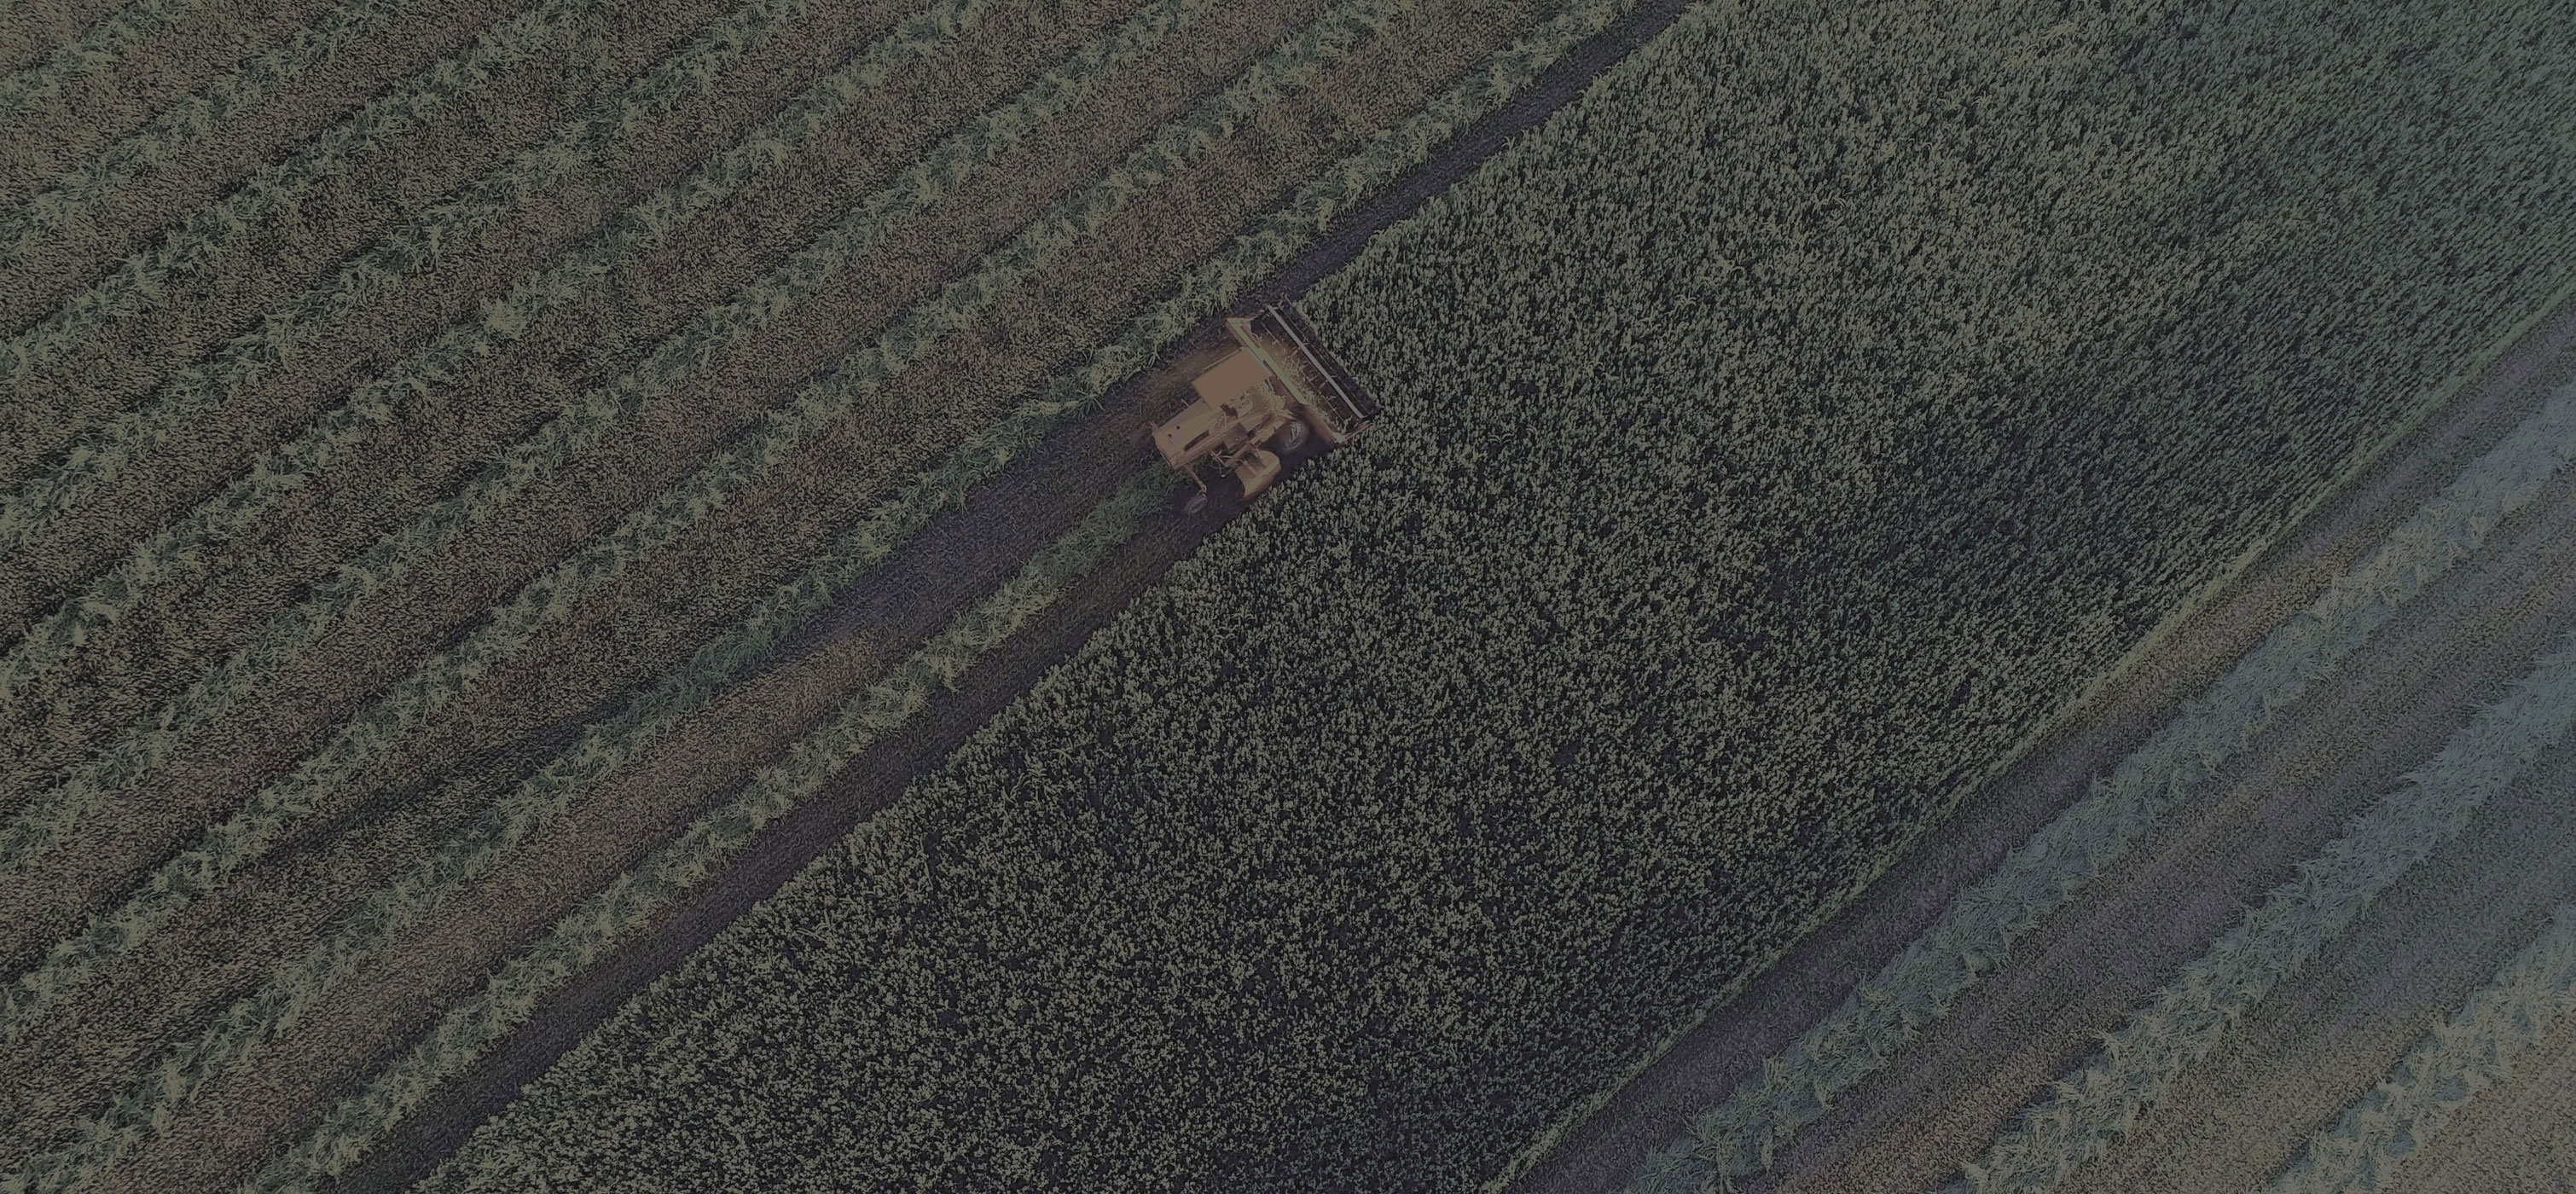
x,y
472,1029
2093,1107
1975,933
2468,1051
1774,441
415,246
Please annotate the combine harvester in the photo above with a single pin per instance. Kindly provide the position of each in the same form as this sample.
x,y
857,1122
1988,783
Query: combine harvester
x,y
1262,402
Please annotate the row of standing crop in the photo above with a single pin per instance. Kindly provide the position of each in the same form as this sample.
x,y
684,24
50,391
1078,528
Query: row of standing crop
x,y
98,47
1753,474
608,745
1974,935
404,705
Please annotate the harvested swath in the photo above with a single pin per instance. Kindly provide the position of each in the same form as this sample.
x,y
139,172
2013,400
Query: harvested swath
x,y
374,415
210,238
883,708
249,833
178,549
1205,288
2104,1098
415,246
83,191
1975,933
1514,570
97,48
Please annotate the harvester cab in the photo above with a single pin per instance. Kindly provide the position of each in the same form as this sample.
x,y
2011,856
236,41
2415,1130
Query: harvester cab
x,y
1278,390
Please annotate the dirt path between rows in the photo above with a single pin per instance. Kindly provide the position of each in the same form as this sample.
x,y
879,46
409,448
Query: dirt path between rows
x,y
1074,468
1804,986
2335,1030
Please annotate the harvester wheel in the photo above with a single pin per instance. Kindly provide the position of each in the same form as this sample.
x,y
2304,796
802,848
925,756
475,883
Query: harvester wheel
x,y
1290,437
1196,501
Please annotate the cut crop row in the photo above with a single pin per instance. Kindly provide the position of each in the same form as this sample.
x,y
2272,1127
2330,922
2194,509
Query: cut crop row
x,y
2468,1051
98,47
610,745
550,596
78,194
1975,933
176,553
1771,442
417,245
2103,1099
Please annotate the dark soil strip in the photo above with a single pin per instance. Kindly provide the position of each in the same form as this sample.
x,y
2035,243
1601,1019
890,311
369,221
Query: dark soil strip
x,y
2328,1035
1087,457
1813,978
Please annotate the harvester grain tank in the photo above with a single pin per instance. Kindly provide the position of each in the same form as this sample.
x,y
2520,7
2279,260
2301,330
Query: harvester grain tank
x,y
1267,399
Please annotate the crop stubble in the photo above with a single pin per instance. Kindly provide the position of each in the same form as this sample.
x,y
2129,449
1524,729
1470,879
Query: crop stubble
x,y
260,132
2333,1031
2519,1138
2389,708
30,30
118,367
106,103
453,431
1177,223
447,595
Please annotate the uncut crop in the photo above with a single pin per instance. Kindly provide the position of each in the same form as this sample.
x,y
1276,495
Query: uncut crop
x,y
1772,442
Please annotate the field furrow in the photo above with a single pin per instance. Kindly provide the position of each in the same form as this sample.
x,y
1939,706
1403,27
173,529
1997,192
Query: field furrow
x,y
417,245
451,358
314,781
97,48
1328,194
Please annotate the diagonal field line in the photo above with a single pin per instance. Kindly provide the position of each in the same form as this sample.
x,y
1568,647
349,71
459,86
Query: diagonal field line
x,y
884,707
2182,1022
97,47
492,1013
245,837
172,554
80,192
1739,1137
2470,1050
287,330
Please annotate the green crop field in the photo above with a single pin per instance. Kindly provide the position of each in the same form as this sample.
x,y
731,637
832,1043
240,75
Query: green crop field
x,y
583,609
1774,443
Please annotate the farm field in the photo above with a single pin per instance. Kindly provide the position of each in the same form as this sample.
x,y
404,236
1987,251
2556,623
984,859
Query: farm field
x,y
585,596
1701,1068
1595,693
200,968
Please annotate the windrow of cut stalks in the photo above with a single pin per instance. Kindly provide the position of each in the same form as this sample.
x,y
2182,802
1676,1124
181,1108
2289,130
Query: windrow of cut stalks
x,y
282,638
240,354
1773,441
549,597
1244,100
435,389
